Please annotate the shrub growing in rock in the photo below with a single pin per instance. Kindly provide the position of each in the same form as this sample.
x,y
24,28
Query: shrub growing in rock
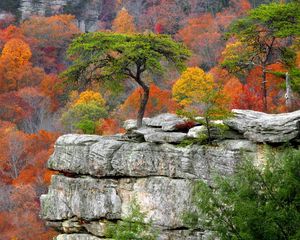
x,y
254,203
132,227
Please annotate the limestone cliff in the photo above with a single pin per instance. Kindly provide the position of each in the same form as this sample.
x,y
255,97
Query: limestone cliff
x,y
88,12
100,176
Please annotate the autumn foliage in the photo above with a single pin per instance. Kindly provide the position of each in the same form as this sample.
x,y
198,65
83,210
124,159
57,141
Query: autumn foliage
x,y
124,22
36,105
160,101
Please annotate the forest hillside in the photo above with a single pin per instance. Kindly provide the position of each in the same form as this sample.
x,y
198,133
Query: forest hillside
x,y
244,52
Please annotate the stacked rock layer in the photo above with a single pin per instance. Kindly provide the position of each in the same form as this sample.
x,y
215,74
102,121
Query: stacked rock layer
x,y
100,176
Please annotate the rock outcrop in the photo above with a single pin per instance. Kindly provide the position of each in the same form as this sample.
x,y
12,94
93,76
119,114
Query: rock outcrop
x,y
269,128
88,12
100,176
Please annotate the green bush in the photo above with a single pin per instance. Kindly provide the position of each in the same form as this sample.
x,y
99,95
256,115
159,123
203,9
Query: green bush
x,y
255,203
133,227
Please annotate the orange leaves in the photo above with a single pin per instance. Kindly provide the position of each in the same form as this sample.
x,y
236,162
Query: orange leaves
x,y
51,86
49,38
50,31
9,33
160,101
250,94
16,51
16,70
109,126
13,62
124,22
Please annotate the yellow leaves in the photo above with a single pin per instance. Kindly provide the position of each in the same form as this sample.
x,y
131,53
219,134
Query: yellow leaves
x,y
232,49
193,85
16,51
124,22
88,97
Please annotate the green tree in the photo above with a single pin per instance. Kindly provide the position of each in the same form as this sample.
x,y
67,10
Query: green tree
x,y
199,95
115,57
84,112
133,227
255,203
265,36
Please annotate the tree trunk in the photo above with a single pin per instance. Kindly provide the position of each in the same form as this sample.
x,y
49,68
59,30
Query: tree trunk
x,y
143,105
264,89
289,93
144,101
207,122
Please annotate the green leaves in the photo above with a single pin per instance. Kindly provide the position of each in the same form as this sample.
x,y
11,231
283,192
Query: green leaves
x,y
256,202
278,20
133,227
112,55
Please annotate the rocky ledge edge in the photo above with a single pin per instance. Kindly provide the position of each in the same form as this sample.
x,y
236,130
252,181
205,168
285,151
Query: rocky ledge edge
x,y
98,176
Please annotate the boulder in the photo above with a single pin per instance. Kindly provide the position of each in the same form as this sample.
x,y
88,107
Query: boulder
x,y
131,124
166,121
263,127
195,132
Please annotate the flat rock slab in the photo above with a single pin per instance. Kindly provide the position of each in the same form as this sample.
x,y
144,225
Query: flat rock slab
x,y
165,137
166,121
111,158
263,127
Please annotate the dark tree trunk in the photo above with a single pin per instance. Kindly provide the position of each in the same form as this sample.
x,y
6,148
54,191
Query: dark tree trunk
x,y
207,122
264,89
143,105
144,100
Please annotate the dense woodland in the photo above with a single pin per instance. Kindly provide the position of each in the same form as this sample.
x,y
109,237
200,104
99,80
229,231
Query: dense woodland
x,y
37,103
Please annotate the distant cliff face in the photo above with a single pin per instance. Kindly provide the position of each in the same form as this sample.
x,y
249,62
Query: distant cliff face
x,y
100,176
89,13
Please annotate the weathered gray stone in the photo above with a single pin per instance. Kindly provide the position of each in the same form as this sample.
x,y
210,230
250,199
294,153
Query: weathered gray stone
x,y
195,132
84,198
96,228
71,153
100,157
165,137
77,237
125,159
163,199
146,130
167,121
262,127
131,124
158,174
147,159
87,17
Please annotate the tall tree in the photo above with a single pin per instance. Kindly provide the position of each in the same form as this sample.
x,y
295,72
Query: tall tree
x,y
264,36
13,61
110,56
124,22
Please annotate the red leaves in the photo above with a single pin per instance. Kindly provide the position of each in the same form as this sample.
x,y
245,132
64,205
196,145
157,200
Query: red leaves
x,y
160,101
13,108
